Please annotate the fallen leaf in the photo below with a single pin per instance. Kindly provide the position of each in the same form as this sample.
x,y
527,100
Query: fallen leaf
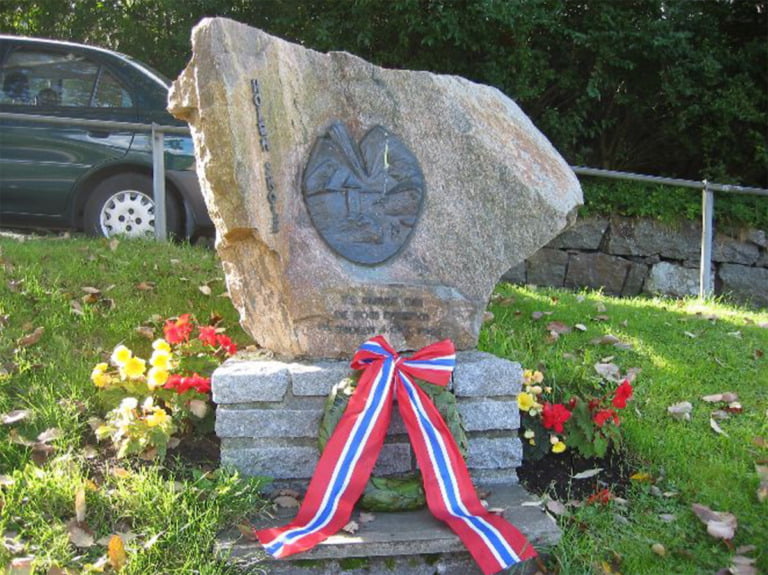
x,y
721,525
681,410
607,339
145,286
602,317
146,331
488,317
641,477
15,416
758,353
6,481
50,434
113,243
205,289
91,290
553,337
667,517
716,428
41,453
659,549
198,407
556,508
76,308
558,327
286,501
609,371
80,505
600,307
351,527
587,474
79,534
21,566
691,335
116,553
366,517
726,397
580,327
32,338
760,442
762,490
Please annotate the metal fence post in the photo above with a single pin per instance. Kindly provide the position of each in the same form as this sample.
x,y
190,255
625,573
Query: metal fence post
x,y
705,266
158,182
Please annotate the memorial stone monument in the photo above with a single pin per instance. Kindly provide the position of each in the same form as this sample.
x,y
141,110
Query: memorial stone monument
x,y
351,201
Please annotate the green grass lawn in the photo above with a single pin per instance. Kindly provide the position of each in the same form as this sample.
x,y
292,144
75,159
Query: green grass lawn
x,y
88,295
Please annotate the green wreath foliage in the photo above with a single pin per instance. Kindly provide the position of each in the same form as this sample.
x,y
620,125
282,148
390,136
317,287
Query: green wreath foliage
x,y
406,492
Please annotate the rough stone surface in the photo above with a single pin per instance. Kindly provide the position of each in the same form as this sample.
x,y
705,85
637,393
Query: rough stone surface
x,y
494,453
232,381
643,237
413,543
598,269
480,374
487,415
749,282
495,191
516,274
547,267
585,234
731,250
267,422
669,279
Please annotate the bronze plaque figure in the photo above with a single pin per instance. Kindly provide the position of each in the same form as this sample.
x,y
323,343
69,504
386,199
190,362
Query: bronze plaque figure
x,y
364,200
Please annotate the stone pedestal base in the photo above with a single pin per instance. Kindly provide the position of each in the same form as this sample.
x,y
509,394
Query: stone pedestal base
x,y
268,412
404,543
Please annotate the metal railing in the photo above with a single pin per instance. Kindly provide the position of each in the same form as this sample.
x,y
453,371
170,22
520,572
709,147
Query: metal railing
x,y
157,131
708,189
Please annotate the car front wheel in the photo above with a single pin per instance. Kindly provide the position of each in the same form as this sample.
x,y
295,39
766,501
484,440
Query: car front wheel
x,y
122,205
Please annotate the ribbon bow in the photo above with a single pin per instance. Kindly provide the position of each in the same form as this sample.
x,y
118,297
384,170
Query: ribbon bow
x,y
346,464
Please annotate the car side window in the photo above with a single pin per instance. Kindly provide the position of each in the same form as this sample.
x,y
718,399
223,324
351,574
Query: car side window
x,y
35,77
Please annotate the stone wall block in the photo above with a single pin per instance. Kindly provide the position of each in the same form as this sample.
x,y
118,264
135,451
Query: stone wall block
x,y
244,381
597,270
731,250
670,279
642,237
394,458
748,284
547,267
262,423
516,274
494,453
488,414
278,462
637,273
480,374
586,234
320,377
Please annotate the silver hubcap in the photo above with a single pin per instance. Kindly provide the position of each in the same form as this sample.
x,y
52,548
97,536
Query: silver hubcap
x,y
128,213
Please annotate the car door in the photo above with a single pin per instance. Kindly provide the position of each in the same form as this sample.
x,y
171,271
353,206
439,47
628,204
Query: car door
x,y
41,163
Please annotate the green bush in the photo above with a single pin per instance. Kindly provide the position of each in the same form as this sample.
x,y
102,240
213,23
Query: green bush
x,y
670,204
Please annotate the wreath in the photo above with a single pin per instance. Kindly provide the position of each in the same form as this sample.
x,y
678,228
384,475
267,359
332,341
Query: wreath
x,y
404,492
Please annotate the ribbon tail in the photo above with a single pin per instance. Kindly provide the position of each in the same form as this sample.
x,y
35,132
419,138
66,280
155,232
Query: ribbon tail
x,y
343,469
493,542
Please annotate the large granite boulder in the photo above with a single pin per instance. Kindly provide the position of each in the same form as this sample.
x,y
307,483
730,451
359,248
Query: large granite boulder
x,y
352,200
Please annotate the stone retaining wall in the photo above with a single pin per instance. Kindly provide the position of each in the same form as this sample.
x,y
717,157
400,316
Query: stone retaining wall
x,y
268,413
627,256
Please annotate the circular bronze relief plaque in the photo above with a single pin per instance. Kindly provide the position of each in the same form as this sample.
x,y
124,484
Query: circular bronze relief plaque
x,y
364,199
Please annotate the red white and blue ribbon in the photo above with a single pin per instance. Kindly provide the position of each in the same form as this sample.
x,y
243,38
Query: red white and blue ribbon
x,y
346,463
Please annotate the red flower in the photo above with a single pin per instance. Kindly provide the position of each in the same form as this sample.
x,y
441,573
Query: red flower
x,y
553,416
177,331
602,416
182,384
623,393
208,335
226,344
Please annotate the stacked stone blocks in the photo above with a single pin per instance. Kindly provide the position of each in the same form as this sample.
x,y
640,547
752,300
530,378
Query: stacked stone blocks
x,y
269,411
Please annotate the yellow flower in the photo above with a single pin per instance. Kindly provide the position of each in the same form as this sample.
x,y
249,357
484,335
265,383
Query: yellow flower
x,y
98,377
156,377
525,401
158,417
121,355
161,345
160,359
558,447
133,368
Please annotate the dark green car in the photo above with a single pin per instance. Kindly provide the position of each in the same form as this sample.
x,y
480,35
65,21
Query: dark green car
x,y
91,178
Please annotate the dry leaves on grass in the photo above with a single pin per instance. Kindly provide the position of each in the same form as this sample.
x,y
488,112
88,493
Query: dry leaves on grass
x,y
681,410
720,524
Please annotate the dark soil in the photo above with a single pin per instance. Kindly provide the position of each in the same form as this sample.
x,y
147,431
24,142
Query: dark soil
x,y
553,475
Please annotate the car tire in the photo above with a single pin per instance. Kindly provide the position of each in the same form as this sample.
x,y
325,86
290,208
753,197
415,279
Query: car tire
x,y
122,205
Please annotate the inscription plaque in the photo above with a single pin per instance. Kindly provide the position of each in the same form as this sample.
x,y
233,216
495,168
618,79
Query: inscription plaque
x,y
364,200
